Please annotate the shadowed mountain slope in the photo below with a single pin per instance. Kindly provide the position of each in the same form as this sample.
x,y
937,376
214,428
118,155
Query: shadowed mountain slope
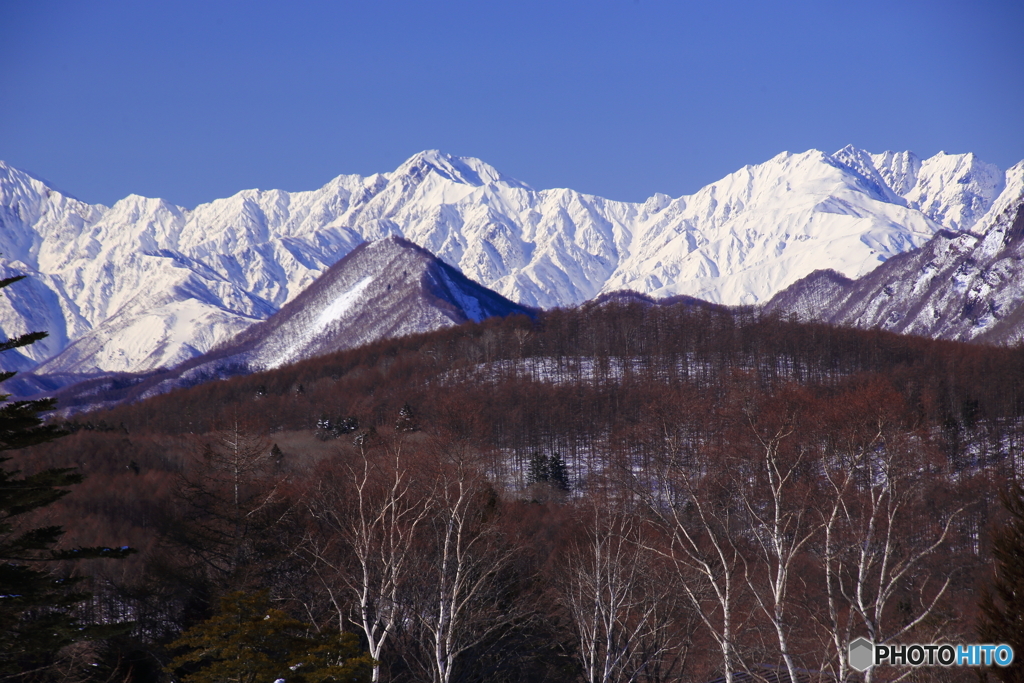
x,y
958,286
389,288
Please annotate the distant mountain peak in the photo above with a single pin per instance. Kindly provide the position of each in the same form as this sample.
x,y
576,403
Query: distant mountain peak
x,y
463,170
960,286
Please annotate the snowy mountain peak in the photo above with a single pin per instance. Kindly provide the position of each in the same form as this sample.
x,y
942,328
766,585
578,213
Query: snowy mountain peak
x,y
961,286
860,162
14,180
1008,200
956,190
462,170
898,169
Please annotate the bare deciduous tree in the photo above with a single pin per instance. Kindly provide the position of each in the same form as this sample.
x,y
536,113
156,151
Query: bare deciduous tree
x,y
376,510
878,538
778,501
462,602
699,515
227,498
620,608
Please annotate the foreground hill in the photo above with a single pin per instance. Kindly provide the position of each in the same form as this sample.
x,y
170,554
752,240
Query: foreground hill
x,y
381,290
144,284
541,443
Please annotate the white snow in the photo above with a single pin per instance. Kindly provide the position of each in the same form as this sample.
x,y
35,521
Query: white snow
x,y
469,304
331,314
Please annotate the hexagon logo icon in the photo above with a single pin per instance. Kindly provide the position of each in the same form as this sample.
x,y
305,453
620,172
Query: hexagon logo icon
x,y
862,654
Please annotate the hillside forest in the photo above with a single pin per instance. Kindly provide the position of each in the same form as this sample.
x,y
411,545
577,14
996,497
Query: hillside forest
x,y
622,492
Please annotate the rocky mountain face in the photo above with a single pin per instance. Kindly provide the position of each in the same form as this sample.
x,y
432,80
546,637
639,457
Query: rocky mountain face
x,y
965,286
145,284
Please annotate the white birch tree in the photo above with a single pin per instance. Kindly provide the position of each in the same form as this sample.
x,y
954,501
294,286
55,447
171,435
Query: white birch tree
x,y
779,507
879,537
461,603
612,598
376,514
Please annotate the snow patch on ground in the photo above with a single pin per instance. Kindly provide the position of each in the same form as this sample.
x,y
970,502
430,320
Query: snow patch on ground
x,y
331,314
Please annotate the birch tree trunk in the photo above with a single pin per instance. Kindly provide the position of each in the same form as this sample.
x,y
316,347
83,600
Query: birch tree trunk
x,y
462,602
699,516
779,506
612,596
879,536
378,520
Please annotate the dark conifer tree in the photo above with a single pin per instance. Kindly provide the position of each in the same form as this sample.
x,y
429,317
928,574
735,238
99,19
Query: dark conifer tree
x,y
406,420
539,471
277,456
549,470
36,617
557,475
249,640
1002,604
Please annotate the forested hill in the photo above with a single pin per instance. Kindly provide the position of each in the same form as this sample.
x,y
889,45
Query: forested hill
x,y
592,351
614,423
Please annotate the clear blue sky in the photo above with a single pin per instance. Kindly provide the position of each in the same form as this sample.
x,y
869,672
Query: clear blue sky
x,y
197,100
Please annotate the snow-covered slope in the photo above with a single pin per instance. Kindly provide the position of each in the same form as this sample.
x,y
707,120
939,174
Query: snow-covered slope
x,y
146,284
964,286
387,288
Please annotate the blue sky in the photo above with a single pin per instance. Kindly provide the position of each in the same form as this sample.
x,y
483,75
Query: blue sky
x,y
197,100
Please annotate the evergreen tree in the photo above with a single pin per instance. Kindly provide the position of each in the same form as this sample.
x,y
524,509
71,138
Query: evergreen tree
x,y
249,641
406,420
549,470
1002,605
36,605
539,472
328,429
557,475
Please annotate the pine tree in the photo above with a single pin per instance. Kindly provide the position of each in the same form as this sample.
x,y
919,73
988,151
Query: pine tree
x,y
35,604
1002,605
539,472
557,475
406,420
249,641
549,470
347,425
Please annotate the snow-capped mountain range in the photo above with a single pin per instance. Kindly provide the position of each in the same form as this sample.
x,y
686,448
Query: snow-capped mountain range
x,y
145,284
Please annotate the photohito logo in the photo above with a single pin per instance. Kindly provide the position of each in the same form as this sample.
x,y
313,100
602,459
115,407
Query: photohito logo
x,y
864,654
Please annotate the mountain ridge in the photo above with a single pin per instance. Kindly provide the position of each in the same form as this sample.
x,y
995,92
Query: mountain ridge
x,y
384,289
145,284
